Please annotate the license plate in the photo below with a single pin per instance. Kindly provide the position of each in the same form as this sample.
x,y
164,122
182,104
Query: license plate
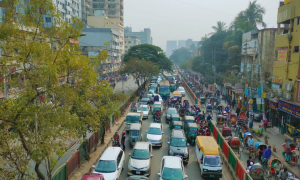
x,y
137,172
211,175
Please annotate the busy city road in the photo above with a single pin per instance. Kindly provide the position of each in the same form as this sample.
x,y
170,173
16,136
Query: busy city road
x,y
191,169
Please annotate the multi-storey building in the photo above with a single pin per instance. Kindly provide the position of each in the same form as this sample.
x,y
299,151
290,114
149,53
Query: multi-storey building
x,y
144,36
286,72
131,41
113,8
86,9
171,46
67,8
181,44
99,39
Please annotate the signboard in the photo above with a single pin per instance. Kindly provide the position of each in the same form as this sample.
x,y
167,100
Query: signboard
x,y
289,108
263,95
246,87
273,105
259,92
277,80
239,88
282,55
239,91
106,43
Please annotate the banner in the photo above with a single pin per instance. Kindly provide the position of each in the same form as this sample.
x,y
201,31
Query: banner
x,y
259,91
246,87
282,55
247,92
289,108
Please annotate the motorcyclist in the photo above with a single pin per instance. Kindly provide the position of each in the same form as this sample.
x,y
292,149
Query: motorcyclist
x,y
117,138
209,118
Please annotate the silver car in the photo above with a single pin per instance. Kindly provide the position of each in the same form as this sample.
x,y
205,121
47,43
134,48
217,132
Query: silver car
x,y
154,134
181,89
140,159
145,109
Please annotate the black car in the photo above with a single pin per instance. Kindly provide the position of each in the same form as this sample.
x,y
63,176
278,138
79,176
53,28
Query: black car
x,y
257,115
178,145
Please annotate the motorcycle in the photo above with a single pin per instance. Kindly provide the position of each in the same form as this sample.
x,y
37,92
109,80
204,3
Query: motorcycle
x,y
116,143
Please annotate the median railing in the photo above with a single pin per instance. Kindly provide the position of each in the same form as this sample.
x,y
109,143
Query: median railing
x,y
227,154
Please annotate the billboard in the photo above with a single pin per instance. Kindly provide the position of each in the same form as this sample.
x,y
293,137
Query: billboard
x,y
282,55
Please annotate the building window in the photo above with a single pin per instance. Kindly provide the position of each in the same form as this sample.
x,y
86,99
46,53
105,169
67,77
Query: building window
x,y
125,46
129,42
296,49
95,0
298,20
48,19
95,6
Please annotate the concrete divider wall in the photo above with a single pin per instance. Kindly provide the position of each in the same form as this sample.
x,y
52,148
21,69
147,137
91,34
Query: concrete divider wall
x,y
227,154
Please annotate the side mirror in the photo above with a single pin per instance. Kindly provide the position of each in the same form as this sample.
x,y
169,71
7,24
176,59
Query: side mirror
x,y
168,142
185,176
119,167
129,154
151,155
146,131
201,161
94,166
158,174
187,144
162,132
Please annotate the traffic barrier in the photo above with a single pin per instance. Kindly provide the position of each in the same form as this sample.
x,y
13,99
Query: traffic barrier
x,y
225,149
84,150
73,163
61,173
93,141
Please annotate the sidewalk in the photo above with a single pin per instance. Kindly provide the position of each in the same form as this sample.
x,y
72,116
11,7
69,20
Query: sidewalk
x,y
86,166
277,139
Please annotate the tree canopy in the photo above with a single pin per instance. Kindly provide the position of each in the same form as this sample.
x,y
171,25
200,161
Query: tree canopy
x,y
180,55
40,120
151,53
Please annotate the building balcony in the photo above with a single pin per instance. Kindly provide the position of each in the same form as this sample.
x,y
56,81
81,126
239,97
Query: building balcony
x,y
281,40
287,11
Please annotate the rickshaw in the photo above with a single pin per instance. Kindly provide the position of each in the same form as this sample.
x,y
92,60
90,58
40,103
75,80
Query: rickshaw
x,y
190,132
172,87
209,108
272,162
220,120
226,131
203,100
257,172
236,145
200,118
259,146
188,119
135,134
212,100
133,107
156,108
246,136
157,116
233,120
242,117
197,93
174,118
177,125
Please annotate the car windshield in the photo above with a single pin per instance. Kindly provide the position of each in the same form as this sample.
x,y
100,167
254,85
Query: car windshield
x,y
140,154
180,89
153,130
143,109
172,111
105,166
132,119
212,161
178,142
172,174
164,90
193,130
134,132
152,88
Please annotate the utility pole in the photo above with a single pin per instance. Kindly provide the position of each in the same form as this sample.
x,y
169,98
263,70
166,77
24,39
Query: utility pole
x,y
251,84
111,53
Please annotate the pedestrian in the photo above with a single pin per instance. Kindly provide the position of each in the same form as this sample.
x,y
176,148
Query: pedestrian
x,y
123,140
283,175
267,155
237,111
265,124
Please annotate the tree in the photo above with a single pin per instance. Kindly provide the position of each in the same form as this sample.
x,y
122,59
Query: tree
x,y
221,27
38,123
254,14
186,65
180,55
150,53
140,69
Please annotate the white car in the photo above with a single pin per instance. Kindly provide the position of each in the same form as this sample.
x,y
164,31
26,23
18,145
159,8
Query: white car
x,y
145,109
171,168
111,163
160,99
140,160
181,89
154,134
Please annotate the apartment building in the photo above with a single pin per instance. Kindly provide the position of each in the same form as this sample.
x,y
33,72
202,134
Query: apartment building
x,y
113,8
131,41
86,9
171,46
286,71
101,20
144,36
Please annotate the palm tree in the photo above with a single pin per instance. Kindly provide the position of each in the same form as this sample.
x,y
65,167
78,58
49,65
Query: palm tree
x,y
254,14
221,27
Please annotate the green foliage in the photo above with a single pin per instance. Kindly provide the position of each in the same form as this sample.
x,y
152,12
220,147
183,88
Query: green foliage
x,y
186,65
34,130
150,53
141,69
180,55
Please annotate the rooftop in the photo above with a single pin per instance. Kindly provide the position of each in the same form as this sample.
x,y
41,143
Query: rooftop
x,y
172,162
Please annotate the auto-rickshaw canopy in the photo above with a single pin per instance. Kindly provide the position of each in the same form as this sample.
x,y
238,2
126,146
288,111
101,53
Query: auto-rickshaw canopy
x,y
177,93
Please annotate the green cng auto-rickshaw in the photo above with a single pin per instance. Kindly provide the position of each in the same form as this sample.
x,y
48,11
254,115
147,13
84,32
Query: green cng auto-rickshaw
x,y
188,119
156,107
174,118
135,134
177,125
172,87
190,132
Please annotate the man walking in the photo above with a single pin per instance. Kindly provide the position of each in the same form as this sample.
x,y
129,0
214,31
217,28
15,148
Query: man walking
x,y
266,155
123,140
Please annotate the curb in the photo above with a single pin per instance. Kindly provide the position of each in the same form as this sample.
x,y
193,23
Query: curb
x,y
285,164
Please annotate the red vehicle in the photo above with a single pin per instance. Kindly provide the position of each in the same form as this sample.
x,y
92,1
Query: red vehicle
x,y
92,176
226,131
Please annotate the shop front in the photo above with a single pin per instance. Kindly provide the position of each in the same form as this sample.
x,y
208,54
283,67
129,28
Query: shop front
x,y
290,118
272,112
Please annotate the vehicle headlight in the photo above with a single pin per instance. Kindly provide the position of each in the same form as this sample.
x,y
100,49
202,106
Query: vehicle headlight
x,y
168,115
186,154
131,167
160,140
147,167
204,170
171,152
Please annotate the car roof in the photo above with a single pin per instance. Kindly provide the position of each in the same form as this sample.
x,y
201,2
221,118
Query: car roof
x,y
133,114
189,117
141,145
144,105
171,109
110,153
178,133
172,162
92,176
193,125
135,126
157,125
175,115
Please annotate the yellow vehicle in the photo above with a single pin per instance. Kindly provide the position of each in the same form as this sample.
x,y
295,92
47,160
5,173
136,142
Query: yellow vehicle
x,y
208,157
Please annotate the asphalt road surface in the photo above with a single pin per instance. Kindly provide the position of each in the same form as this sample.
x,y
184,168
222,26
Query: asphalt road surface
x,y
192,168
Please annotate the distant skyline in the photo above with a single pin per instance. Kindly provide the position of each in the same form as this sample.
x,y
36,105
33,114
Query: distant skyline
x,y
188,19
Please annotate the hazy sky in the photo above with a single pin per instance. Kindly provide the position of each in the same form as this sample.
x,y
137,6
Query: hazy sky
x,y
185,19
